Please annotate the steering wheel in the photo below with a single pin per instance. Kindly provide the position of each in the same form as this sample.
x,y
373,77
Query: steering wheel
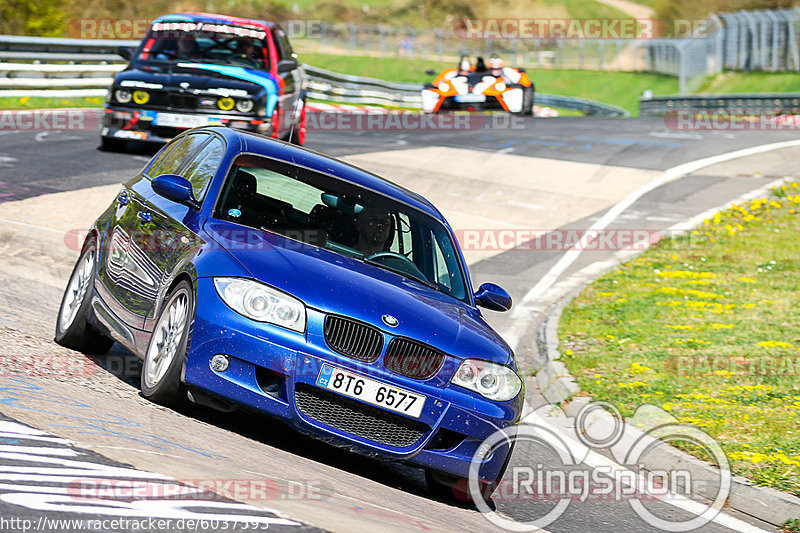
x,y
399,262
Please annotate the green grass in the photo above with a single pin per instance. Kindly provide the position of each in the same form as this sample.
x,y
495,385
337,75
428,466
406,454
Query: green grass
x,y
618,88
752,82
383,68
587,9
791,526
705,326
28,102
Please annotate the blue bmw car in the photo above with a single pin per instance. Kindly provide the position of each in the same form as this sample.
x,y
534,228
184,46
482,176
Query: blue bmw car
x,y
248,272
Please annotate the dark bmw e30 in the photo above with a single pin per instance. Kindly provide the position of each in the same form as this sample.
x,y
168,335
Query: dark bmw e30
x,y
196,69
249,272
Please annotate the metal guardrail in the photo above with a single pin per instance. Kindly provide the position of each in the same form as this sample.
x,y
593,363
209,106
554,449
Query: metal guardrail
x,y
590,107
332,86
760,103
83,75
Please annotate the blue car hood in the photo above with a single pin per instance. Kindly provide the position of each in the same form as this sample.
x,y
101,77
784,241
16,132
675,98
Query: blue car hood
x,y
333,283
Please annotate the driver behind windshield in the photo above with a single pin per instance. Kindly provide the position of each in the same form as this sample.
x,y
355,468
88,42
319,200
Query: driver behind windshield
x,y
184,47
246,49
374,225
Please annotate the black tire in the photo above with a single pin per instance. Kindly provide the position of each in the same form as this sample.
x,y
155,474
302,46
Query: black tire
x,y
164,386
113,145
449,487
527,101
73,329
295,135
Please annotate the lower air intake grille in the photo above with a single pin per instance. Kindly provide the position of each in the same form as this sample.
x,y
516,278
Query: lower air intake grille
x,y
357,418
353,338
413,359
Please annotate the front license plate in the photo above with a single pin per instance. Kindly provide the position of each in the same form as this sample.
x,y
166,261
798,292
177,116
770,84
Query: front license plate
x,y
173,120
371,391
466,98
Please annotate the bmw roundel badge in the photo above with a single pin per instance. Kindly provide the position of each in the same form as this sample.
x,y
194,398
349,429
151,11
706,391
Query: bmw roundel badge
x,y
390,321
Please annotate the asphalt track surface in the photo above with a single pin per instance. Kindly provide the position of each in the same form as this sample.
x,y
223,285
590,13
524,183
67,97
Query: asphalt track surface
x,y
33,164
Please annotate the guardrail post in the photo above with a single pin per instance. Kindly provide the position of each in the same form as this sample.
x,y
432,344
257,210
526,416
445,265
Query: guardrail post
x,y
681,69
439,44
351,28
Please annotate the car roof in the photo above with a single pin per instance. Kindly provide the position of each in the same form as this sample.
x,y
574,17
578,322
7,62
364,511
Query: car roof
x,y
266,25
293,154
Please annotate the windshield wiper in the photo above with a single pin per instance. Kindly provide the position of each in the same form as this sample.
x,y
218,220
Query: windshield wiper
x,y
402,273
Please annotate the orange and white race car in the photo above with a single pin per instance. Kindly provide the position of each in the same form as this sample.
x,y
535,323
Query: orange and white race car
x,y
479,86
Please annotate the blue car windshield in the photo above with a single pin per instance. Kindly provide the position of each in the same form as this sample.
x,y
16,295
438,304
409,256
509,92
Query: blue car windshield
x,y
317,209
204,43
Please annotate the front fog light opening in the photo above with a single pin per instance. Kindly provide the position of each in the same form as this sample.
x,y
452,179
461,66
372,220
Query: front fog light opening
x,y
220,362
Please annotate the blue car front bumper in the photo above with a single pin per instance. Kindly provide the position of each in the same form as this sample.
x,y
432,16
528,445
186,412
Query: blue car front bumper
x,y
274,370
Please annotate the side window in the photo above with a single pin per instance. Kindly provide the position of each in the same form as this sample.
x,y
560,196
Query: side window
x,y
203,167
172,163
402,242
159,158
287,47
440,265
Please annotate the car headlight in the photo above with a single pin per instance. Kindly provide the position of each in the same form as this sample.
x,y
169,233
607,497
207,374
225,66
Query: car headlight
x,y
500,86
262,303
245,106
123,96
490,380
141,97
444,87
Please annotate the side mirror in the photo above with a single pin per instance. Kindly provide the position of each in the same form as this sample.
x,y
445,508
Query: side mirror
x,y
430,72
285,65
125,51
493,297
175,188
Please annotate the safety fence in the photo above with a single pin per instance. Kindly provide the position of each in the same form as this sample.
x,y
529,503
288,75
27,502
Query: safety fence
x,y
91,66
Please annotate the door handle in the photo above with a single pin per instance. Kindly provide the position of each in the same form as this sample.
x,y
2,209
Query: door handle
x,y
144,217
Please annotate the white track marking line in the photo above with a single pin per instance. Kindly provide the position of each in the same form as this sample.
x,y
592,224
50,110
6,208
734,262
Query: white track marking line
x,y
520,312
6,221
595,460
